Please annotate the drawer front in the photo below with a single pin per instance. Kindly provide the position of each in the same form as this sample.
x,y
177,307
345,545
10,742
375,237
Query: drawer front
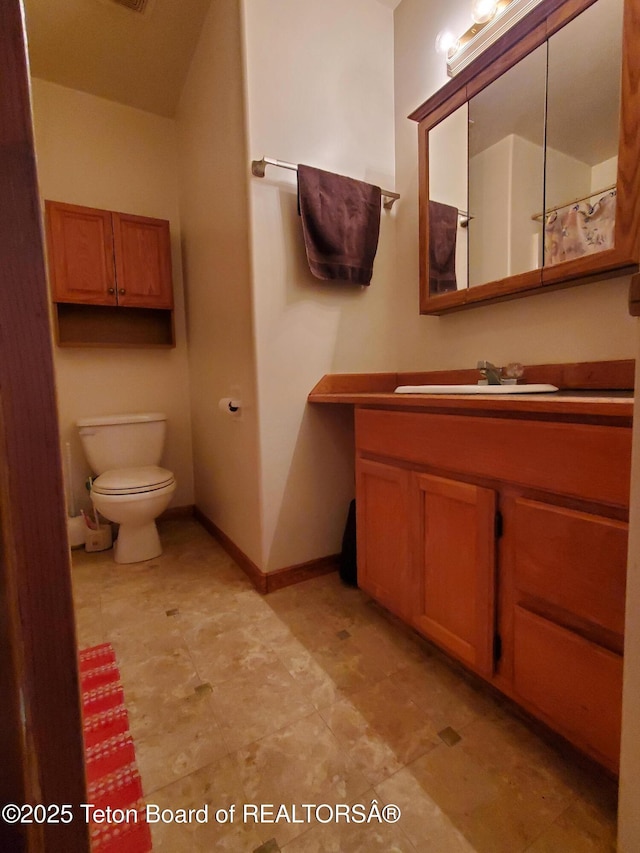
x,y
575,561
574,683
586,461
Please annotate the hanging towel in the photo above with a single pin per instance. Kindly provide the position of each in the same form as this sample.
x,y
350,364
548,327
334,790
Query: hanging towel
x,y
340,224
443,227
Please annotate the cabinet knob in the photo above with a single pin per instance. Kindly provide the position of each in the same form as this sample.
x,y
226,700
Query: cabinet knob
x,y
122,290
112,290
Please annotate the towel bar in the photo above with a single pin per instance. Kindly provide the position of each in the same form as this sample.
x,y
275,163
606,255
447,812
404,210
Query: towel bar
x,y
258,168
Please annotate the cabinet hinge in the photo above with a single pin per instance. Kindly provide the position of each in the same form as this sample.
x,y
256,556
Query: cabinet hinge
x,y
497,647
498,524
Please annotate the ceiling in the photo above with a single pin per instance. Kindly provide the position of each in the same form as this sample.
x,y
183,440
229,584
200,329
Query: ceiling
x,y
98,46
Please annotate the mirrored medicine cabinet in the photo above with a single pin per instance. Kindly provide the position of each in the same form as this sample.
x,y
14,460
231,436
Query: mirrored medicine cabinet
x,y
529,160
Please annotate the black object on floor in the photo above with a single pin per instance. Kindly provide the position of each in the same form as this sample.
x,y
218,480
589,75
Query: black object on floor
x,y
348,559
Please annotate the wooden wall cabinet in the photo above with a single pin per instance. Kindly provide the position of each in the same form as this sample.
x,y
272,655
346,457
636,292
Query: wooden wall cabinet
x,y
110,276
504,542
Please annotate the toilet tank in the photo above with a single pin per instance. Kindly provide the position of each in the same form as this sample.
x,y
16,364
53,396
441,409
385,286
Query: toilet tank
x,y
123,441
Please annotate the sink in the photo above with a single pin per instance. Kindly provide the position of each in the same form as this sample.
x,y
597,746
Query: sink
x,y
475,389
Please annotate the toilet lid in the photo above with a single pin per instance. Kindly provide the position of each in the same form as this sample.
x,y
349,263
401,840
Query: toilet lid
x,y
130,481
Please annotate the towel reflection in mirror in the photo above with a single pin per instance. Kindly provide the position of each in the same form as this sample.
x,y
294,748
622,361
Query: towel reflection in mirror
x,y
443,227
580,229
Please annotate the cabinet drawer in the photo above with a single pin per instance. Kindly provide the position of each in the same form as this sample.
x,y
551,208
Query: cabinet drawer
x,y
572,560
574,683
586,461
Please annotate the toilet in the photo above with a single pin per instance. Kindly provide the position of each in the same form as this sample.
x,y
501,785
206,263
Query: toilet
x,y
131,488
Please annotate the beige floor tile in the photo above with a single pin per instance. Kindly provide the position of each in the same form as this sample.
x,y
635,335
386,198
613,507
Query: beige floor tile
x,y
89,626
381,728
308,673
161,674
218,787
272,771
188,739
352,838
579,829
443,693
426,825
220,657
252,705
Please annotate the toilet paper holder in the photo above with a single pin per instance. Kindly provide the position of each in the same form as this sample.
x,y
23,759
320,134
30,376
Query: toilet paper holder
x,y
230,404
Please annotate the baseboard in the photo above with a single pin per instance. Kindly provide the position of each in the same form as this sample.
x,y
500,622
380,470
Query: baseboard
x,y
266,582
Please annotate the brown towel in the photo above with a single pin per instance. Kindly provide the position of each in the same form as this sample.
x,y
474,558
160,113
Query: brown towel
x,y
340,223
443,227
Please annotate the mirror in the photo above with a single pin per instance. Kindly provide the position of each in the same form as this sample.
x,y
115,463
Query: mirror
x,y
448,216
582,134
529,159
506,172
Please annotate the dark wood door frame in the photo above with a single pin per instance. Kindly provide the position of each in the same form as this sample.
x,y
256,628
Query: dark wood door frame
x,y
40,719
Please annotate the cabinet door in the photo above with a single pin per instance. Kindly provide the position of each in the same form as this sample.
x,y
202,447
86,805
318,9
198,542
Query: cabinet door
x,y
80,248
143,261
382,507
454,550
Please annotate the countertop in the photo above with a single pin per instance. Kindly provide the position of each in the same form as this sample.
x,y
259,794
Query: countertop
x,y
376,390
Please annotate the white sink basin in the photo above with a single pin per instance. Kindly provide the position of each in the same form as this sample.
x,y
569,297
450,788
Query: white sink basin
x,y
475,389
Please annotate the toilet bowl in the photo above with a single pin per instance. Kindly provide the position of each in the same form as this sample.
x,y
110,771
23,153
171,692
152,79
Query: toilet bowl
x,y
134,498
131,488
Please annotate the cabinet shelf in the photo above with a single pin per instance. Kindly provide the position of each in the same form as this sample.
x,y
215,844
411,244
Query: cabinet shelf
x,y
112,326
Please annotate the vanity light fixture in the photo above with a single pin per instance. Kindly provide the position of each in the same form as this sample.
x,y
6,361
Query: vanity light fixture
x,y
483,10
446,43
492,18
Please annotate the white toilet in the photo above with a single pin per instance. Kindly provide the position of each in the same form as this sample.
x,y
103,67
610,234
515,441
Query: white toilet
x,y
131,489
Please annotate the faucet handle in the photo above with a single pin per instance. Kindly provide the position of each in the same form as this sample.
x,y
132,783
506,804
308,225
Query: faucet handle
x,y
514,370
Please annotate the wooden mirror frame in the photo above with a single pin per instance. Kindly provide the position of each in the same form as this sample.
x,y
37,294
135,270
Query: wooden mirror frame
x,y
528,34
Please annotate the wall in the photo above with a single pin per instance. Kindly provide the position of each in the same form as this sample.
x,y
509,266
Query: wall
x,y
214,206
584,323
97,153
319,91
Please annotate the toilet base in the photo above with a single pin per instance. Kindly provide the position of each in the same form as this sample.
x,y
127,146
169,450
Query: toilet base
x,y
137,543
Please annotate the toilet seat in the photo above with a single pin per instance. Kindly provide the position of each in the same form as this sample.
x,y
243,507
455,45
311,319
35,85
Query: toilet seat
x,y
132,481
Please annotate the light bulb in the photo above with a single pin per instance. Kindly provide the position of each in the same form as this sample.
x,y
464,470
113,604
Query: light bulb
x,y
446,43
483,10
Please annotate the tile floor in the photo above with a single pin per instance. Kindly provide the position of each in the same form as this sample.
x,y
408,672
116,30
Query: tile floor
x,y
312,695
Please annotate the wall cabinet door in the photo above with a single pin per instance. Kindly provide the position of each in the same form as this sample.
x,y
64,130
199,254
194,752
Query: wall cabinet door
x,y
454,562
80,246
143,261
99,257
382,508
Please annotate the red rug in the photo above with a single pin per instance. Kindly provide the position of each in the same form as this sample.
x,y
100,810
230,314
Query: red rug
x,y
117,821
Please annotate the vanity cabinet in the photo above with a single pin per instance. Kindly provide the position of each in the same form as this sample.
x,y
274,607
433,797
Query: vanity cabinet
x,y
528,159
110,276
503,540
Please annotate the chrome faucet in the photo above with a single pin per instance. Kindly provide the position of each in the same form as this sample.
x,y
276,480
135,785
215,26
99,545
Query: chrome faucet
x,y
490,372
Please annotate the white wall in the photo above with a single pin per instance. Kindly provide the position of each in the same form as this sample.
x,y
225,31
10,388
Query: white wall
x,y
320,92
97,153
585,323
214,205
